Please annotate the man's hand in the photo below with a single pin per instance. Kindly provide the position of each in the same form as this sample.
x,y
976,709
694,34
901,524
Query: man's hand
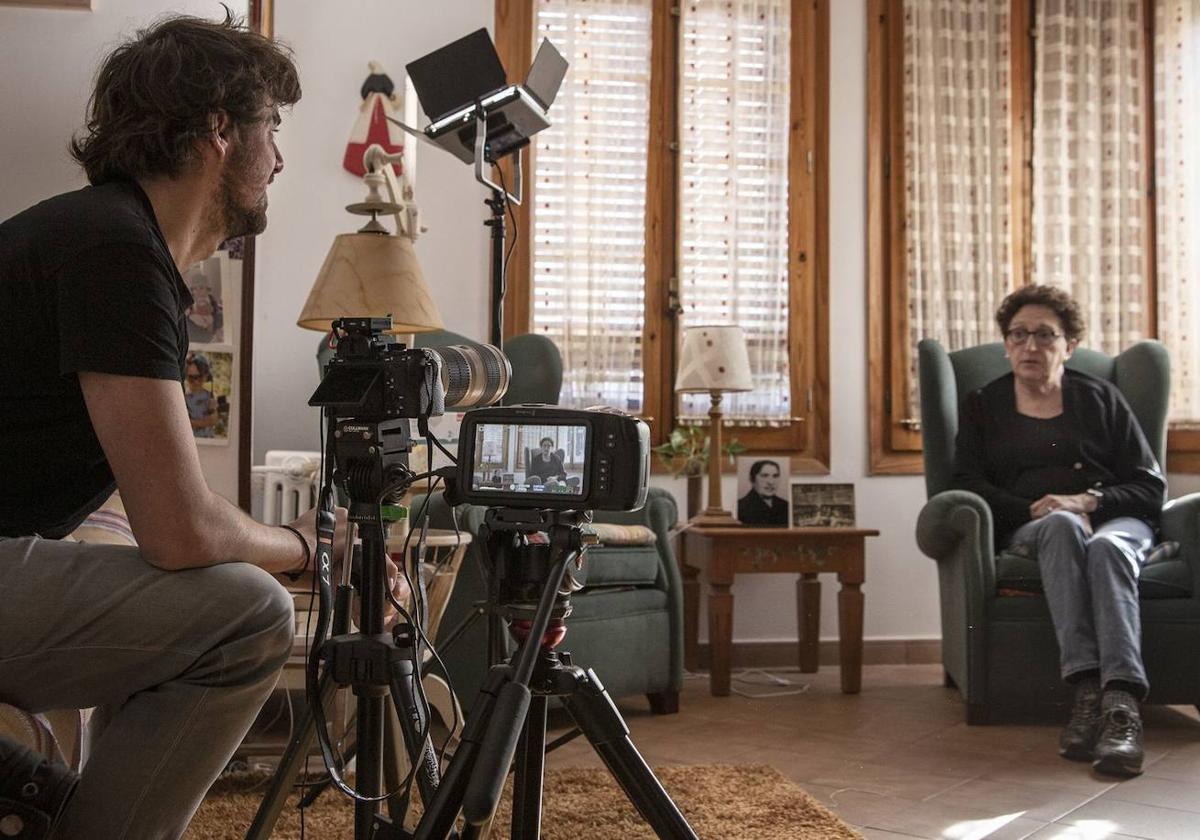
x,y
1083,503
306,524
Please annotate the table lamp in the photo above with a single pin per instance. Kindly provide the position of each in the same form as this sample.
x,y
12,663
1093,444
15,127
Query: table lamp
x,y
714,360
373,273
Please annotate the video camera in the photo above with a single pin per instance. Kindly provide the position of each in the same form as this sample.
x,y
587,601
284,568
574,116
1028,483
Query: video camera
x,y
552,458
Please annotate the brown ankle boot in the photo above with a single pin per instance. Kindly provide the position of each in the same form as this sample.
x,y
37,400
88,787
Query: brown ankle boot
x,y
1078,738
1119,748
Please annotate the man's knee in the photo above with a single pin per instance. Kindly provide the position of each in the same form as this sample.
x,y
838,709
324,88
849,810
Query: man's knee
x,y
264,610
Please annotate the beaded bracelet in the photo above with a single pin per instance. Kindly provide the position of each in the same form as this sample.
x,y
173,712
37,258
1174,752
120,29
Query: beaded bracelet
x,y
307,554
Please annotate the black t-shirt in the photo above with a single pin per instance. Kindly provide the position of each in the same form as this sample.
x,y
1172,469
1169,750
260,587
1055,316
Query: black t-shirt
x,y
87,283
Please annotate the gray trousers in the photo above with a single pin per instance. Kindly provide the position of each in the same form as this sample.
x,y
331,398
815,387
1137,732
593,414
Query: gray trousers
x,y
1091,585
177,664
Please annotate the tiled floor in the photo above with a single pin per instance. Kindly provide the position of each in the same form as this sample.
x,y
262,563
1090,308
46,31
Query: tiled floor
x,y
898,760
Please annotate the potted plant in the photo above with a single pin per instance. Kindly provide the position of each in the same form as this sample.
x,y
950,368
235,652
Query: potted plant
x,y
685,454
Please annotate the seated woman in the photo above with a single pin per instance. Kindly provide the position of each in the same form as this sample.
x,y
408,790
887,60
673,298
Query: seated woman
x,y
545,464
1071,482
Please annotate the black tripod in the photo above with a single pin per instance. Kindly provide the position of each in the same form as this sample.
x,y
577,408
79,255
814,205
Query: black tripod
x,y
509,716
379,667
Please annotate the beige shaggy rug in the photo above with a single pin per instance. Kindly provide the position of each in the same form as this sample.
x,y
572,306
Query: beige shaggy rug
x,y
720,802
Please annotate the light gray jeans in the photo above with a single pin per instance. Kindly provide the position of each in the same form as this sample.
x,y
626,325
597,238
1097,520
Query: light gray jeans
x,y
1091,585
177,664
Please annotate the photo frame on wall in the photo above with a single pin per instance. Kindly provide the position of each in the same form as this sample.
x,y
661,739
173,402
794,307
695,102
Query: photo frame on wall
x,y
762,490
209,283
823,505
209,393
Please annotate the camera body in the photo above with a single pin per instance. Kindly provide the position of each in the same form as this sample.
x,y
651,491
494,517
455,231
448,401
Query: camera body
x,y
373,378
552,458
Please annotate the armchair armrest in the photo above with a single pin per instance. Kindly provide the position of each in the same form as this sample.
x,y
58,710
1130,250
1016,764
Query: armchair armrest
x,y
955,529
1180,522
957,524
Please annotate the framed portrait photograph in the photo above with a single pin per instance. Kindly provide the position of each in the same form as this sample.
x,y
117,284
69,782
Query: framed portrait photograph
x,y
206,280
208,392
762,490
823,505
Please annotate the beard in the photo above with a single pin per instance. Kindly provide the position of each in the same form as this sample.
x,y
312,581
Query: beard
x,y
238,219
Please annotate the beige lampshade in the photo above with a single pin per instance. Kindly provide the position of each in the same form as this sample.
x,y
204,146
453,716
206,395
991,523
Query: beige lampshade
x,y
371,275
714,358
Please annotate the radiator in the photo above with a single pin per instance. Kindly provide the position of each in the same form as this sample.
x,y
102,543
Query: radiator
x,y
284,487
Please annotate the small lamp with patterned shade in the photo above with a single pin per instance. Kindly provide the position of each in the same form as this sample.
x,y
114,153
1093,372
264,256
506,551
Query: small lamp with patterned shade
x,y
714,360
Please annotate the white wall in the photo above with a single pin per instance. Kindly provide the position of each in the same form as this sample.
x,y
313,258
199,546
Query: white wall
x,y
333,43
47,59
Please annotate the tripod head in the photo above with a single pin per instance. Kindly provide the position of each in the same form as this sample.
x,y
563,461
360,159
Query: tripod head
x,y
522,565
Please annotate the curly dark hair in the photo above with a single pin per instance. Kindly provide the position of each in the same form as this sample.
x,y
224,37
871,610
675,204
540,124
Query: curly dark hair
x,y
156,94
1051,297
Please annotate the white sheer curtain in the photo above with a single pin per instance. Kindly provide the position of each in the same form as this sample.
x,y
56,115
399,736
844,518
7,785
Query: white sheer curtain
x,y
1088,176
590,198
733,223
955,173
1177,193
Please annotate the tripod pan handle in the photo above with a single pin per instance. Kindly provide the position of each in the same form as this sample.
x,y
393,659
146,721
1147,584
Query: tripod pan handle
x,y
496,753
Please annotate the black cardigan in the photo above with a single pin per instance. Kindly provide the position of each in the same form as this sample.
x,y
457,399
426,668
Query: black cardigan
x,y
1012,460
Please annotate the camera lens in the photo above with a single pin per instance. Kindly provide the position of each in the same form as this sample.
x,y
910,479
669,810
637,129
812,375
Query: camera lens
x,y
473,375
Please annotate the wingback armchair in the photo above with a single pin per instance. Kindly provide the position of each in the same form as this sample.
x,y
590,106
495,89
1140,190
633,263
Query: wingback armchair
x,y
998,643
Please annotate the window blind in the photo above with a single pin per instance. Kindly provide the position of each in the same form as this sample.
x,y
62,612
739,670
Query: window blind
x,y
733,220
589,210
957,93
1177,197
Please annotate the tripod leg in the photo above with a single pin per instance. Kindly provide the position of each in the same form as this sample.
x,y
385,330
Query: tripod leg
x,y
441,813
368,763
596,714
393,769
529,775
289,765
414,723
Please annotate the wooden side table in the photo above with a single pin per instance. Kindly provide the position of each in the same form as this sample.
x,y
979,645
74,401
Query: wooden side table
x,y
729,551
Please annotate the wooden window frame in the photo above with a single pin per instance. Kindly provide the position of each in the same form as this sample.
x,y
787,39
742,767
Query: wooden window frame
x,y
807,440
895,447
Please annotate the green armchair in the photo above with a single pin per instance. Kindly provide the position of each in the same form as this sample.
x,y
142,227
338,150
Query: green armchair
x,y
626,623
999,648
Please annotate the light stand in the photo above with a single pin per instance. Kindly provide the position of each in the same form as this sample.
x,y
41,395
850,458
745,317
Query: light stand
x,y
498,203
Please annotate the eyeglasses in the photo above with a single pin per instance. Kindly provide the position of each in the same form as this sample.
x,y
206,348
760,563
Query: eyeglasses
x,y
1044,337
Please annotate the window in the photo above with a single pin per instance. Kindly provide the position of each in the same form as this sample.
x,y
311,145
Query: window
x,y
682,183
1015,141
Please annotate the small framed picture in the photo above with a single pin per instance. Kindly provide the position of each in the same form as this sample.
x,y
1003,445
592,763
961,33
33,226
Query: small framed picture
x,y
208,392
206,316
762,490
823,505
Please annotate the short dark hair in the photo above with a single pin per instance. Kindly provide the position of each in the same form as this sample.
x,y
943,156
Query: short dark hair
x,y
1052,297
757,466
156,94
543,440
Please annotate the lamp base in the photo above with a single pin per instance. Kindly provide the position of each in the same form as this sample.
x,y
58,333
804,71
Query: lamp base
x,y
714,518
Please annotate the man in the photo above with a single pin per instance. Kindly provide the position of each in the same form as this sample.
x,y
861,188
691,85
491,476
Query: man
x,y
760,506
179,641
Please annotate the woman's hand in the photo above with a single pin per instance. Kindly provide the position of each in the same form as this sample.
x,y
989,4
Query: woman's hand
x,y
1083,503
